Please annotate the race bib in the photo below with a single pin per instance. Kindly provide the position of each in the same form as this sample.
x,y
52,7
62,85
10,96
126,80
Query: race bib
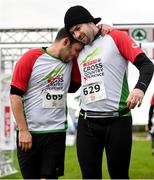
x,y
93,92
53,99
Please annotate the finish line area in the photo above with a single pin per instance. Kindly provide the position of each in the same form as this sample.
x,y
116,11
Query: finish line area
x,y
14,42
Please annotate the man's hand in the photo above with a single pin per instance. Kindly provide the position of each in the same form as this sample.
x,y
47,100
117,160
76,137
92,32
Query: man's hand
x,y
104,29
135,98
25,140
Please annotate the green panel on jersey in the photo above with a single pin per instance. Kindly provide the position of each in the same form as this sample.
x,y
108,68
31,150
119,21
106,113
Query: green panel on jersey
x,y
25,116
124,94
66,113
48,131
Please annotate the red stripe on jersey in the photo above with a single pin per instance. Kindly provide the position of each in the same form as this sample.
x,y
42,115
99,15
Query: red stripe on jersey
x,y
127,47
75,74
23,68
152,100
125,31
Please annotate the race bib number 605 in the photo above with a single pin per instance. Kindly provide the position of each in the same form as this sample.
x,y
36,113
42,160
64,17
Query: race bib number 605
x,y
93,92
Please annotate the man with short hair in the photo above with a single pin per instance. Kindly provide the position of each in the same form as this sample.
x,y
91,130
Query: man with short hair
x,y
104,120
39,87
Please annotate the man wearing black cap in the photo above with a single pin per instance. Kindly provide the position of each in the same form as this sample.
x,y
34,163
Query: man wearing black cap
x,y
105,120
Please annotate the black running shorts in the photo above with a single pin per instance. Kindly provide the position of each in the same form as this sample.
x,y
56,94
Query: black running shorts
x,y
46,157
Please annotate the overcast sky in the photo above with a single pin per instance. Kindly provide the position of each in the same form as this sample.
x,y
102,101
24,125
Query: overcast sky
x,y
50,13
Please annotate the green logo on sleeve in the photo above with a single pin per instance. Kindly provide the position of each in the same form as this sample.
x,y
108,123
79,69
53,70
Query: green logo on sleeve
x,y
53,74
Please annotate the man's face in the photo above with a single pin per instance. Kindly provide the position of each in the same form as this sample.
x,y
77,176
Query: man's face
x,y
71,51
75,49
83,33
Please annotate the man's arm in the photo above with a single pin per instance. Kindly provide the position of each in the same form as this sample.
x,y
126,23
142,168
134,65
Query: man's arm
x,y
104,29
75,77
74,87
25,139
133,53
146,69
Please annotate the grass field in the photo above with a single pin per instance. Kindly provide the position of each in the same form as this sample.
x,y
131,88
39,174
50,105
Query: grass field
x,y
142,163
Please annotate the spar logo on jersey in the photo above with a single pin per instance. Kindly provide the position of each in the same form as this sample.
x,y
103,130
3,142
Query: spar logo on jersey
x,y
92,65
53,76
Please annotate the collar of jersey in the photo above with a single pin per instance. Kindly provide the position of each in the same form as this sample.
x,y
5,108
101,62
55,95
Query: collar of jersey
x,y
97,35
44,50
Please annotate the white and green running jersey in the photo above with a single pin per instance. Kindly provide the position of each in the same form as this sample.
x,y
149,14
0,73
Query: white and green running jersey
x,y
45,80
103,67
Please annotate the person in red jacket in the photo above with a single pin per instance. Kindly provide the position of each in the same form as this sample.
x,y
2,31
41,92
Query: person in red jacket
x,y
151,123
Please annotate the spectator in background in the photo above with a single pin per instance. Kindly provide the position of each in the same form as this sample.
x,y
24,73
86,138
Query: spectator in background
x,y
151,123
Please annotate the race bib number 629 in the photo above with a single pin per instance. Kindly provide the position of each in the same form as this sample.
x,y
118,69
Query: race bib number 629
x,y
93,92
